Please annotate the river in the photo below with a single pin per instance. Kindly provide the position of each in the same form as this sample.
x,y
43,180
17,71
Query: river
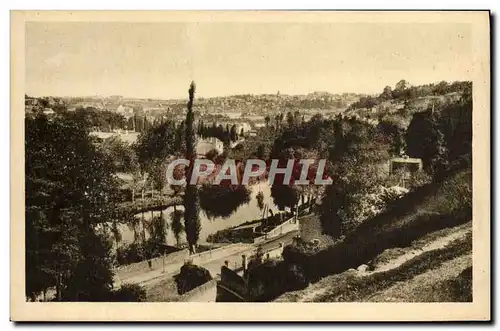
x,y
244,213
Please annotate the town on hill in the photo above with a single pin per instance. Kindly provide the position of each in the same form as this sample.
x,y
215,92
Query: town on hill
x,y
263,161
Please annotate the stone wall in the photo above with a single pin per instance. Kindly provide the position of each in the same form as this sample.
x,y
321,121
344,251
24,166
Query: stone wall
x,y
203,293
129,270
288,226
174,261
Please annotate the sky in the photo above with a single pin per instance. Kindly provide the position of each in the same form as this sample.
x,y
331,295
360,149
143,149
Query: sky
x,y
159,60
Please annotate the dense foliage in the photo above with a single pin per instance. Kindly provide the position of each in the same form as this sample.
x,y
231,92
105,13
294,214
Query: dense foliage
x,y
71,191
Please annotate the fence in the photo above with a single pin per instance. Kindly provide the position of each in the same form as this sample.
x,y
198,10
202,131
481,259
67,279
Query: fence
x,y
174,261
130,270
232,287
288,226
218,253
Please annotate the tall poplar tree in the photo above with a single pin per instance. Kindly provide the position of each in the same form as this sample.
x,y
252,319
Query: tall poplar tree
x,y
192,224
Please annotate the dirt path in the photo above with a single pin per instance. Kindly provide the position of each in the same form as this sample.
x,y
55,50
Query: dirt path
x,y
423,287
392,260
438,243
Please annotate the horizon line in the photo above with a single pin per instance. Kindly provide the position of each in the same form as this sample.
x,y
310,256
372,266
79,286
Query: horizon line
x,y
231,95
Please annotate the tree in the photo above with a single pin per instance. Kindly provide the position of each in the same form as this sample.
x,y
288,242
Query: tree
x,y
157,171
455,123
192,224
297,117
177,227
212,154
260,200
92,277
290,119
441,88
129,293
71,191
156,144
158,232
261,152
387,93
180,142
277,119
355,166
268,120
425,140
123,156
332,203
401,85
233,135
394,132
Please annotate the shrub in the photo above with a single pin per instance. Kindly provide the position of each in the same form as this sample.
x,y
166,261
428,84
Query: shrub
x,y
295,277
419,178
190,277
129,293
430,208
299,254
273,277
130,254
137,252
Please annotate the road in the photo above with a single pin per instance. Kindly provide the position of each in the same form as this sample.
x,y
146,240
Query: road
x,y
213,266
235,260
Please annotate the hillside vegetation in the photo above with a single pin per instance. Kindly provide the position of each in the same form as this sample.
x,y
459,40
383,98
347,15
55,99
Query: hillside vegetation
x,y
433,207
440,271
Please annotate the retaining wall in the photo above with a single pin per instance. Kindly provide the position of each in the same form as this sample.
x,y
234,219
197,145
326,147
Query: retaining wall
x,y
217,253
174,261
203,293
130,270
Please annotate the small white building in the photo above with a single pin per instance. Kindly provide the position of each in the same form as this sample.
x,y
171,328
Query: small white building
x,y
127,112
48,111
203,146
245,126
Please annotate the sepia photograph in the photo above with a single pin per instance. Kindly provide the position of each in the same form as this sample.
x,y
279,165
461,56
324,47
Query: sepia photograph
x,y
272,160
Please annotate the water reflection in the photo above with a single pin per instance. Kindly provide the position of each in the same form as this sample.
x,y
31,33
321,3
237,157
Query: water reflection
x,y
210,222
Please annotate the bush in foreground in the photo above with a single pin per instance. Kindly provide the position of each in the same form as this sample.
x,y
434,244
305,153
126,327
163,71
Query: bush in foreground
x,y
129,293
190,277
273,277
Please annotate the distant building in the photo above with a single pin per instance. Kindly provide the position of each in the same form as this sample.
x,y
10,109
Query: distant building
x,y
203,146
126,136
48,111
252,133
245,126
127,112
405,167
405,164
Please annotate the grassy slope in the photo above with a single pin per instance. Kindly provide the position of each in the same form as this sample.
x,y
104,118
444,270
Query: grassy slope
x,y
429,276
418,219
163,291
418,213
